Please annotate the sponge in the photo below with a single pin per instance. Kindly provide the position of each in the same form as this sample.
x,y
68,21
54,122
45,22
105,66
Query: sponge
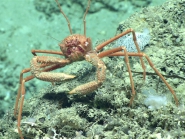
x,y
155,101
127,41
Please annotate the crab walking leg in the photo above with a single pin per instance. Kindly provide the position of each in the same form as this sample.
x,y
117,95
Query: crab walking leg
x,y
115,50
20,86
100,75
50,68
99,47
130,76
139,51
153,67
37,62
21,91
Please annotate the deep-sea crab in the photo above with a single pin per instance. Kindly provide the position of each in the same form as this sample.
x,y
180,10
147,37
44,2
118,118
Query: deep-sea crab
x,y
76,47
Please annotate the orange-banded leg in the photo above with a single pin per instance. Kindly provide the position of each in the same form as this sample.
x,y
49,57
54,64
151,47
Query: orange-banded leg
x,y
43,64
126,54
100,75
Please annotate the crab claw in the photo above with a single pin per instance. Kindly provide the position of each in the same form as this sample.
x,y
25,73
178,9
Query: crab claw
x,y
67,76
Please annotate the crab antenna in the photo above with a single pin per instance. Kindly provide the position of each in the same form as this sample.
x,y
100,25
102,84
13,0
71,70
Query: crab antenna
x,y
88,6
69,26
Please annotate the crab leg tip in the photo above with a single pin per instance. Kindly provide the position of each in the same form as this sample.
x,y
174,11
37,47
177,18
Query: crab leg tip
x,y
69,76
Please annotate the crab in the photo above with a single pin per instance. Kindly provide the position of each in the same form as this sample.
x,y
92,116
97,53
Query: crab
x,y
77,47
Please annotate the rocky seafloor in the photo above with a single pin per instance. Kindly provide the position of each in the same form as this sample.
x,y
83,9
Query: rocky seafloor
x,y
104,113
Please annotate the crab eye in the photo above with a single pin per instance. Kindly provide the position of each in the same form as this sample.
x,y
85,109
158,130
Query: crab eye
x,y
86,43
